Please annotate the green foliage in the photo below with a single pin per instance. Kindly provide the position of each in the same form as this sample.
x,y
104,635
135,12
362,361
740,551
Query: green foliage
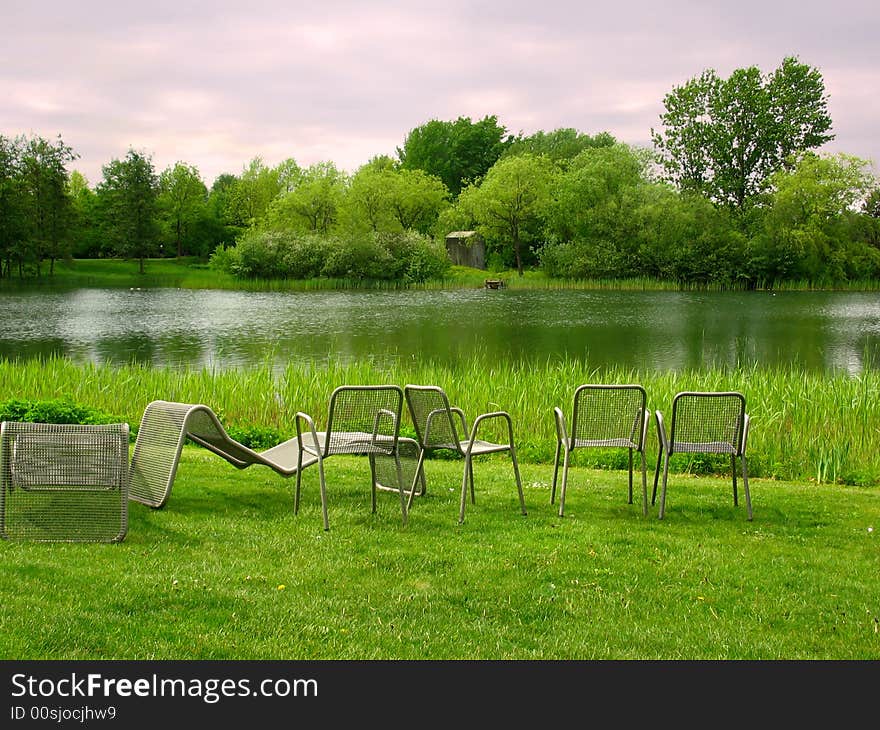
x,y
257,437
457,152
56,410
561,145
809,230
406,256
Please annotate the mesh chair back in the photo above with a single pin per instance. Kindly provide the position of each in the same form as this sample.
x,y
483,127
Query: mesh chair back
x,y
363,419
609,415
157,450
64,482
710,423
432,417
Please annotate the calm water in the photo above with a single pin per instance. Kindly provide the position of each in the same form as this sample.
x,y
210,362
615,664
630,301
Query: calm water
x,y
645,330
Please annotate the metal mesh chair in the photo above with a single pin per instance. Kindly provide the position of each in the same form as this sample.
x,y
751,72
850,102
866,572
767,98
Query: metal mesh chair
x,y
164,428
705,423
603,416
64,482
437,424
363,420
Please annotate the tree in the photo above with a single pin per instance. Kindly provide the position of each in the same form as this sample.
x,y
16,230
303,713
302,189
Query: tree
x,y
511,201
805,228
47,209
416,199
314,204
249,199
182,199
457,152
724,137
87,241
129,196
12,218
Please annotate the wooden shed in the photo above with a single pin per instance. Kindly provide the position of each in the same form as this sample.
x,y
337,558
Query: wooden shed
x,y
466,248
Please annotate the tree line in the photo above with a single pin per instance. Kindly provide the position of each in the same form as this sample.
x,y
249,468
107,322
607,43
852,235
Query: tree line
x,y
732,192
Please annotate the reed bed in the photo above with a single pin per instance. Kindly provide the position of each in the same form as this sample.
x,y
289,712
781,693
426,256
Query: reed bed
x,y
819,427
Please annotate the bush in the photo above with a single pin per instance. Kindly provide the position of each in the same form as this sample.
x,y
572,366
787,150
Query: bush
x,y
53,411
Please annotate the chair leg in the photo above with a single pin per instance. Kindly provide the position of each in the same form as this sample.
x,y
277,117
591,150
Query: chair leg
x,y
419,477
372,458
296,493
522,500
400,491
464,489
471,478
323,494
564,482
644,485
630,476
733,469
746,487
656,475
663,491
555,471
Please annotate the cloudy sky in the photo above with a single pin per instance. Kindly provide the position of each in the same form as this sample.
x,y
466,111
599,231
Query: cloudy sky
x,y
215,84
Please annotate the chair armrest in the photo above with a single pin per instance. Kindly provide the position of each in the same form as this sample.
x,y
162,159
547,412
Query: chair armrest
x,y
300,416
661,431
561,430
645,424
460,413
485,417
745,437
375,439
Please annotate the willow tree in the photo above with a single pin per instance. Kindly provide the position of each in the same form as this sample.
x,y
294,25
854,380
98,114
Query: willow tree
x,y
511,201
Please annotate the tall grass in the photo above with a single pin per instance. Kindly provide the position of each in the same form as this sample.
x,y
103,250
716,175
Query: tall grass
x,y
820,427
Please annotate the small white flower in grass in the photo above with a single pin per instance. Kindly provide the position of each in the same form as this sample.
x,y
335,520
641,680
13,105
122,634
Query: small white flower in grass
x,y
870,529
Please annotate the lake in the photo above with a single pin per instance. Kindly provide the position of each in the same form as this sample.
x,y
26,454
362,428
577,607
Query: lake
x,y
630,329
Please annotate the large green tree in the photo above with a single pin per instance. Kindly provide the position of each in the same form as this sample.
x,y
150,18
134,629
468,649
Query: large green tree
x,y
12,218
724,137
510,202
457,152
129,202
182,199
47,208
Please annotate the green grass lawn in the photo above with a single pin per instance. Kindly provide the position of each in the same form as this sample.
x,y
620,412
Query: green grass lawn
x,y
227,571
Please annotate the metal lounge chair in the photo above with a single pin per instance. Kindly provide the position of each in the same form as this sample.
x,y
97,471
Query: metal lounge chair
x,y
705,423
603,416
364,420
164,428
436,424
64,482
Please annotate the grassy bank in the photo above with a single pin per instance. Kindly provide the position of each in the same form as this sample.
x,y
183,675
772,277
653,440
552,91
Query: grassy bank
x,y
190,273
806,426
227,571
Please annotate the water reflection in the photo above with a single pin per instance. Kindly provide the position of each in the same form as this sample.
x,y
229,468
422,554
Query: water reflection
x,y
642,330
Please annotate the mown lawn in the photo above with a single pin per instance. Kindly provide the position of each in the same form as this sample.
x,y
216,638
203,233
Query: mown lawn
x,y
227,571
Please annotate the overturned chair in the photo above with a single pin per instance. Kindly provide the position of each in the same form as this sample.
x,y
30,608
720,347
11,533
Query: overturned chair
x,y
64,482
165,427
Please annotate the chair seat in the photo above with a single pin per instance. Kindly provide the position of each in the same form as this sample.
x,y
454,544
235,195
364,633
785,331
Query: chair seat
x,y
284,456
347,442
602,443
707,447
484,447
